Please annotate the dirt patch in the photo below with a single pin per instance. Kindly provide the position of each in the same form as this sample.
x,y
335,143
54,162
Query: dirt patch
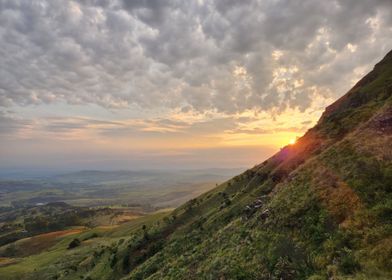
x,y
57,234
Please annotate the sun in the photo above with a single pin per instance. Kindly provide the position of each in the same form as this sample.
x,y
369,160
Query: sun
x,y
292,141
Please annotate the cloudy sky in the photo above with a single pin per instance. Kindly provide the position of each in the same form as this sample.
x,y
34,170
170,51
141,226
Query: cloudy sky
x,y
156,83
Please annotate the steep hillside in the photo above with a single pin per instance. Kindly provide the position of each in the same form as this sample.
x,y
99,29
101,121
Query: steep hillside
x,y
318,209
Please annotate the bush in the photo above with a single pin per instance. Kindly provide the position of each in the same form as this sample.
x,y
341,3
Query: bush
x,y
348,264
74,243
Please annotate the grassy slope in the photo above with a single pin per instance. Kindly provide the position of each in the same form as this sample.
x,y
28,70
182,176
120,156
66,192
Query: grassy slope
x,y
328,199
320,209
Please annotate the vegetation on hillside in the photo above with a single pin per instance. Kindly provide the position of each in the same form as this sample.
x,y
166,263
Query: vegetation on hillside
x,y
318,209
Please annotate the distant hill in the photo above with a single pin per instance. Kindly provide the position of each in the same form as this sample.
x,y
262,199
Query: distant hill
x,y
156,188
318,209
100,177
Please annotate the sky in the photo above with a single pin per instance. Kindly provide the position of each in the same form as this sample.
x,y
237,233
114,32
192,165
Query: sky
x,y
111,84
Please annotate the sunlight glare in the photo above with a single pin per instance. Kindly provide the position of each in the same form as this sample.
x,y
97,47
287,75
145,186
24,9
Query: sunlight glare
x,y
292,141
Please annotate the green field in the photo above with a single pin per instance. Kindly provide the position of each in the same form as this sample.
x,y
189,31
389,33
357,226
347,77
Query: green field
x,y
57,260
158,189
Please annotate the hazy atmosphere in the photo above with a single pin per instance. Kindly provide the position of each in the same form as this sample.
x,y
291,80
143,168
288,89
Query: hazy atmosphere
x,y
195,139
166,84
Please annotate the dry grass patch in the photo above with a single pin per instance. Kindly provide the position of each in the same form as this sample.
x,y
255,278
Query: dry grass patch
x,y
36,244
6,261
337,197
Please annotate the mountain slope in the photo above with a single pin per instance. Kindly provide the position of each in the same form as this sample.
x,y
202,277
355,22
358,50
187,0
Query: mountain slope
x,y
319,209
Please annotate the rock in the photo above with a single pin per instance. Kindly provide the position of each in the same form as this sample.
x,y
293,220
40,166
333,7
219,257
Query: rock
x,y
383,123
265,214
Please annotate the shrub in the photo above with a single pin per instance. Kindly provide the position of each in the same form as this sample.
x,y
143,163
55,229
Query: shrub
x,y
74,243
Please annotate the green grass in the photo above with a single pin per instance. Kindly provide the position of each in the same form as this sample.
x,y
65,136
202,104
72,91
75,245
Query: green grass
x,y
47,263
318,210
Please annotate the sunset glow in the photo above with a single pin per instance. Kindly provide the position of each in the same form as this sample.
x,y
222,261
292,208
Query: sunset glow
x,y
179,85
292,141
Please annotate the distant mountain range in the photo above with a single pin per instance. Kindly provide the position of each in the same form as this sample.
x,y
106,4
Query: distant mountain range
x,y
12,174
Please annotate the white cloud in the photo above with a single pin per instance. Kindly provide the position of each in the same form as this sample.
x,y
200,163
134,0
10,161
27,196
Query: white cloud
x,y
182,54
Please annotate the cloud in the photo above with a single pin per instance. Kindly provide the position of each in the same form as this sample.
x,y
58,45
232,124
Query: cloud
x,y
87,142
222,56
259,131
10,125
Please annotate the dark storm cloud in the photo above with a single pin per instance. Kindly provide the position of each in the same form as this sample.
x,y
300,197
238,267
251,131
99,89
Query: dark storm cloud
x,y
227,56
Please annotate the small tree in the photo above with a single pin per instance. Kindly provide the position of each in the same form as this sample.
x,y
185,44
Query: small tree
x,y
74,243
145,233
